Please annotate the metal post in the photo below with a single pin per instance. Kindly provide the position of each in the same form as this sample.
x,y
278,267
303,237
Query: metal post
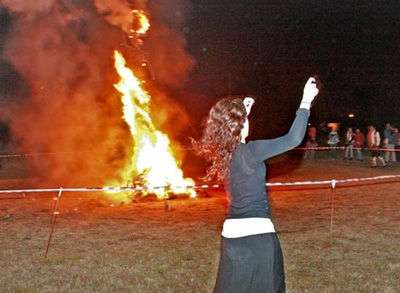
x,y
55,213
333,184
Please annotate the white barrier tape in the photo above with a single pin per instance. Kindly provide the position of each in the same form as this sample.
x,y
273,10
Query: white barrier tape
x,y
298,148
333,183
343,147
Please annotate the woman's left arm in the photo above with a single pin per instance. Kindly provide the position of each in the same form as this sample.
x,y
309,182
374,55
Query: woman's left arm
x,y
264,149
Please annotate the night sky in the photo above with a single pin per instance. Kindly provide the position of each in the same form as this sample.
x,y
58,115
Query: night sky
x,y
270,48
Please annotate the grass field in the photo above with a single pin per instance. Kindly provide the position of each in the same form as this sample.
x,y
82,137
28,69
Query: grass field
x,y
173,246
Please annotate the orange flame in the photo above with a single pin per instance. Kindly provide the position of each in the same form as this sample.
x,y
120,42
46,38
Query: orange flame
x,y
143,22
152,158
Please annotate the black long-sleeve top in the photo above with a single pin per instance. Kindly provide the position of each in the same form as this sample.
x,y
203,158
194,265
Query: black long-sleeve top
x,y
246,188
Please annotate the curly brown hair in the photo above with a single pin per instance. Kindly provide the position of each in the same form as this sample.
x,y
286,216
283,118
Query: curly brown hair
x,y
221,135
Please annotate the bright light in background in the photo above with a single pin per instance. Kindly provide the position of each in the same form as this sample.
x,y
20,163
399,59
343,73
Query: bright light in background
x,y
351,115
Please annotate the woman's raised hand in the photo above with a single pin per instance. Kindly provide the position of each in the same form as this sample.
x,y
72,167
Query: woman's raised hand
x,y
248,103
310,91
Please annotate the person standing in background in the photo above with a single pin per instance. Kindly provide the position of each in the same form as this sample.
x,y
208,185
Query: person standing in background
x,y
349,144
312,132
396,140
374,141
333,140
359,140
388,133
311,143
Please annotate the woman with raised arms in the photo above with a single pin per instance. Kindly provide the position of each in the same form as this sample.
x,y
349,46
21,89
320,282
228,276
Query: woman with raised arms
x,y
251,257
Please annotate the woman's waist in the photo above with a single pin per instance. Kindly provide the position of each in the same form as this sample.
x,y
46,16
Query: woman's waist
x,y
255,209
242,227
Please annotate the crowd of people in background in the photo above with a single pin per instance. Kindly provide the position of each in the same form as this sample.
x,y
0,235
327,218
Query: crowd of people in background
x,y
383,148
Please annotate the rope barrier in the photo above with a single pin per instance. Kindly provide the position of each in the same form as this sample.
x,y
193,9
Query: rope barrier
x,y
203,186
332,182
344,147
61,190
298,148
383,177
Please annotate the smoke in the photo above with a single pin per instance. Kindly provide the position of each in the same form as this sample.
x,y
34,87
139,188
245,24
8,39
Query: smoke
x,y
30,7
167,42
63,51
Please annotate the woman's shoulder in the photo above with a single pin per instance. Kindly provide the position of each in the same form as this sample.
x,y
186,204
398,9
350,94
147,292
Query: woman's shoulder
x,y
253,143
248,149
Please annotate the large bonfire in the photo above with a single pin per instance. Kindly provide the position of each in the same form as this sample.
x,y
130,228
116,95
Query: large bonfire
x,y
63,105
153,163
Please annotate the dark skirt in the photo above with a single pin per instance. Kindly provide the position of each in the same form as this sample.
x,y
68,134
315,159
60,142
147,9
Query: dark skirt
x,y
251,264
375,153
